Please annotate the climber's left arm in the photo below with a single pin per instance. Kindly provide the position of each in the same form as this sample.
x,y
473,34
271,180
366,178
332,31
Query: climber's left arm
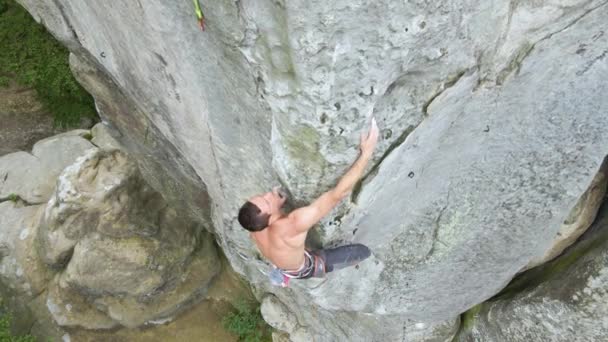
x,y
304,218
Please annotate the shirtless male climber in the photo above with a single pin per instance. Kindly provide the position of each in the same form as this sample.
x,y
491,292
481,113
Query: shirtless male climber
x,y
280,237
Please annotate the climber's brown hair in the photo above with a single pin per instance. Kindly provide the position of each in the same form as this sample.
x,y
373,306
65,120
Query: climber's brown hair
x,y
251,217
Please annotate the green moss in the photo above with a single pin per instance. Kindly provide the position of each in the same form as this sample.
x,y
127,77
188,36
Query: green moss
x,y
543,273
468,318
247,323
13,197
35,59
5,329
4,81
304,146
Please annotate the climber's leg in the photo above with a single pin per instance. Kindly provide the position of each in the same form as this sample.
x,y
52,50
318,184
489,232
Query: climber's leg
x,y
328,260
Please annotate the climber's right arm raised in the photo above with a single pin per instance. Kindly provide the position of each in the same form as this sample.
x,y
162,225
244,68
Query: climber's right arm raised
x,y
304,218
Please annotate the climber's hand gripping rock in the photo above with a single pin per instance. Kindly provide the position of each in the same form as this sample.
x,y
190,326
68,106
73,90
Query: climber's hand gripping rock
x,y
368,142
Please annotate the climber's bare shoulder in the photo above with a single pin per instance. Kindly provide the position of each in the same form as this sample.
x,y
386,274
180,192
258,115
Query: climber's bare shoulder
x,y
281,236
280,244
284,230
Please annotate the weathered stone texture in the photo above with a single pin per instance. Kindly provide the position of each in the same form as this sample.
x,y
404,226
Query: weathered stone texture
x,y
579,219
493,117
32,176
106,250
125,253
564,300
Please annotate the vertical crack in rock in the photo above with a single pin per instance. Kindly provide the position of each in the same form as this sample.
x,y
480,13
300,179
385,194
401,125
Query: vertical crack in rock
x,y
374,169
436,226
215,160
524,51
515,64
68,24
449,83
237,5
442,88
505,31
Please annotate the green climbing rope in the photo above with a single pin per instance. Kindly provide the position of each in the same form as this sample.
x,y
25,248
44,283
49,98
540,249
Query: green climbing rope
x,y
199,15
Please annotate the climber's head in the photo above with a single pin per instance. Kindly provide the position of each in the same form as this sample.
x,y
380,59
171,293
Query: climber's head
x,y
257,213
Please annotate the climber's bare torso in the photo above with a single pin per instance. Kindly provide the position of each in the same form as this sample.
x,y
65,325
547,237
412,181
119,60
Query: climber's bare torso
x,y
280,245
280,242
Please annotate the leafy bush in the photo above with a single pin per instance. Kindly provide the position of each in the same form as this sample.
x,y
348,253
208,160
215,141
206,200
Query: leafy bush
x,y
31,55
247,323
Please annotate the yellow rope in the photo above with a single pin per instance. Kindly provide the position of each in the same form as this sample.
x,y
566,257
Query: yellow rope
x,y
199,14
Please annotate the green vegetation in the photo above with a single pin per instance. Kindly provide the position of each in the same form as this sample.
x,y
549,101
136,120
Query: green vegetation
x,y
13,197
32,57
5,329
303,145
247,323
468,318
467,321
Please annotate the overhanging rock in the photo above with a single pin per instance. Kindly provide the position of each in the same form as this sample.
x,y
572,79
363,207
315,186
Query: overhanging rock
x,y
493,124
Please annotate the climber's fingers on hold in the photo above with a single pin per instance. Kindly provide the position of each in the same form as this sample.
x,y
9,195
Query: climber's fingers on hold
x,y
369,138
373,131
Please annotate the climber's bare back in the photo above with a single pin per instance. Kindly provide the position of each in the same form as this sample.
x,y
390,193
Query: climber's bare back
x,y
280,245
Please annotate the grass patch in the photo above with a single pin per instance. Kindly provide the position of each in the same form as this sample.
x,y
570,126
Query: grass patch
x,y
5,329
32,56
247,323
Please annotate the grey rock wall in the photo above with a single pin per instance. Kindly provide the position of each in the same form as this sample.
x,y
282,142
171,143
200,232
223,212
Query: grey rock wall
x,y
564,300
579,219
493,116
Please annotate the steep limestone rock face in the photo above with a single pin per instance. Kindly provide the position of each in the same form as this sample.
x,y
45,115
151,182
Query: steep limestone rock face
x,y
492,114
564,300
159,160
